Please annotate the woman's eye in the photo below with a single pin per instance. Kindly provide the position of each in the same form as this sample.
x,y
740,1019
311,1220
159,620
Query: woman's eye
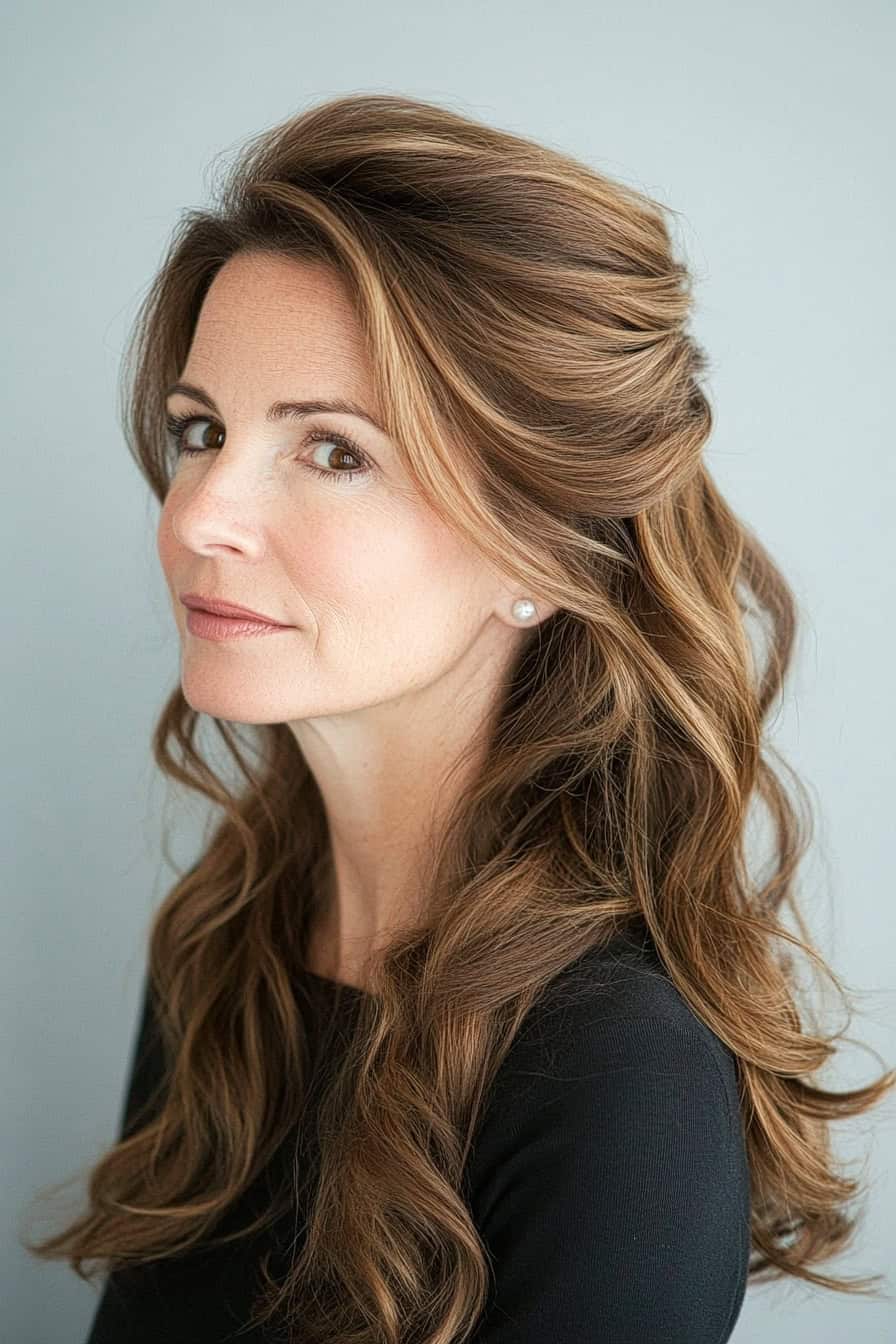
x,y
179,424
336,450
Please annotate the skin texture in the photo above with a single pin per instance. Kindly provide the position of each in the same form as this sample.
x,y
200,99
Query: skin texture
x,y
402,633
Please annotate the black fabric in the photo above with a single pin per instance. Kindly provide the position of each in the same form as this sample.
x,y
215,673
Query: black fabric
x,y
608,1180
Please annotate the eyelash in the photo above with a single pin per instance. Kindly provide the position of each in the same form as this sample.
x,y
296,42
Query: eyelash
x,y
177,424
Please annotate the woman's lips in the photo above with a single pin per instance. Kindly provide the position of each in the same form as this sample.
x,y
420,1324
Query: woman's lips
x,y
218,606
208,625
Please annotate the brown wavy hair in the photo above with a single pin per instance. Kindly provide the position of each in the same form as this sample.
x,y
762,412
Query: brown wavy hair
x,y
536,310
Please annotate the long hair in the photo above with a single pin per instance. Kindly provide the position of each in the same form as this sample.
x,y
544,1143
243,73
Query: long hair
x,y
526,319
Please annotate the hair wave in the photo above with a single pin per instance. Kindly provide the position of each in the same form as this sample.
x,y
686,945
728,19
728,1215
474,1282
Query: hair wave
x,y
526,319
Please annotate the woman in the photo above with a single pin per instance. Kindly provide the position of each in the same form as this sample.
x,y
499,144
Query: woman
x,y
471,1021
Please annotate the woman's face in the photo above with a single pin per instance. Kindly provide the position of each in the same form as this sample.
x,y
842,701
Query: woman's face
x,y
380,599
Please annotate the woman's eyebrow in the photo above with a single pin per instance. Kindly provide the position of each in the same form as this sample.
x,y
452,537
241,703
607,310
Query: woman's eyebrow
x,y
283,410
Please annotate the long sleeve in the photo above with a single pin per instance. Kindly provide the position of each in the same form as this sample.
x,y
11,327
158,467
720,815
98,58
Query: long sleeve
x,y
145,1063
615,1207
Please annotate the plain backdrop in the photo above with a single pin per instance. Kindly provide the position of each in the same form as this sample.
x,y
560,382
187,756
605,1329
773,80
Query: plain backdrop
x,y
768,127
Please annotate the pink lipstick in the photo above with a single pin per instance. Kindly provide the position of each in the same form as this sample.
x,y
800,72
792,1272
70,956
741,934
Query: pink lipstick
x,y
208,626
215,619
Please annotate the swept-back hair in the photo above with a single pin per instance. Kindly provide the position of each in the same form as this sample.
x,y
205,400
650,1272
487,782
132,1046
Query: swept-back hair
x,y
526,320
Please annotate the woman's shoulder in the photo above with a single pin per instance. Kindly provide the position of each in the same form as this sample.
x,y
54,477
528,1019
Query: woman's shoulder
x,y
613,1013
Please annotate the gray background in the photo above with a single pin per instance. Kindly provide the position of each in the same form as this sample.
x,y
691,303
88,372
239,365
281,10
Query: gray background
x,y
768,128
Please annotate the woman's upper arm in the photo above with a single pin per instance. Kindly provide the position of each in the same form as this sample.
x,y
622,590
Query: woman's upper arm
x,y
615,1208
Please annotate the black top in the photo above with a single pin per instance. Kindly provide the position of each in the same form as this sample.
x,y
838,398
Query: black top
x,y
608,1180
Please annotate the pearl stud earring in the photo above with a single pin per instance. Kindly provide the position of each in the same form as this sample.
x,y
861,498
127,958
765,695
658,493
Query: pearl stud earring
x,y
523,609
